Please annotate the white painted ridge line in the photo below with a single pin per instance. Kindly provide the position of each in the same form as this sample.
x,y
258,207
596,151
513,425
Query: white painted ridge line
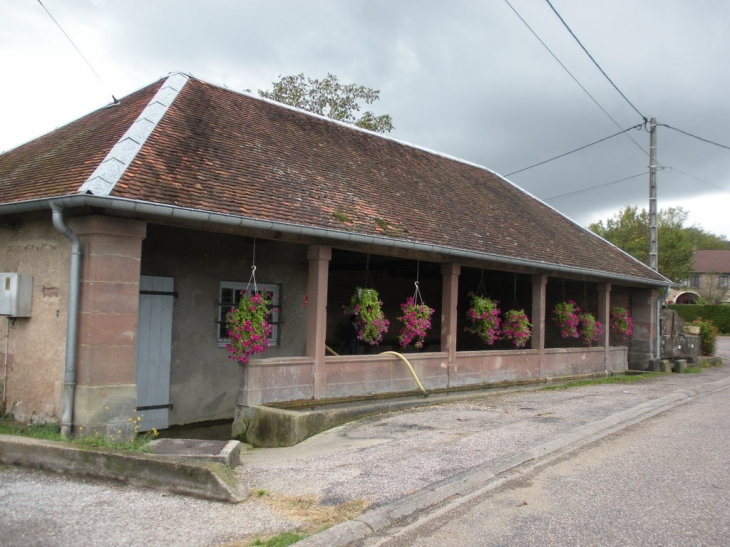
x,y
106,175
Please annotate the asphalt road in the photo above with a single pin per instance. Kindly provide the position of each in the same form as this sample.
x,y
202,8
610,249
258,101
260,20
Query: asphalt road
x,y
663,482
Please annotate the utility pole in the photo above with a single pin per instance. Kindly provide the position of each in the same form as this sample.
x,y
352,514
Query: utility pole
x,y
653,231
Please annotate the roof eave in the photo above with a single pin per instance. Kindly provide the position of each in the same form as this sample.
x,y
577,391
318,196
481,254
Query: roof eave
x,y
160,211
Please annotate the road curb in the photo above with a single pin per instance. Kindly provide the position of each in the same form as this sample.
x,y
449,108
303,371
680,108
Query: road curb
x,y
212,481
460,488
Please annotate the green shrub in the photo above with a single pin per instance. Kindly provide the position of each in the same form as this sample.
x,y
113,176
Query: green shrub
x,y
718,314
708,335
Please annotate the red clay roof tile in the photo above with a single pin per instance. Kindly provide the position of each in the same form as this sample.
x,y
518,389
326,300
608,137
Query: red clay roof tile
x,y
225,152
712,261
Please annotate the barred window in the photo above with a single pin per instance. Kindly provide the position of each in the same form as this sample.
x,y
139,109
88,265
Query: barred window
x,y
230,296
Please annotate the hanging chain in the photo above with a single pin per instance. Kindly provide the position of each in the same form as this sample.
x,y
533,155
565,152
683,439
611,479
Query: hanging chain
x,y
367,280
417,293
515,303
252,279
562,292
481,289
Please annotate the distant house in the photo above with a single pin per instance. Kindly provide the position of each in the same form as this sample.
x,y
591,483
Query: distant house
x,y
139,223
710,275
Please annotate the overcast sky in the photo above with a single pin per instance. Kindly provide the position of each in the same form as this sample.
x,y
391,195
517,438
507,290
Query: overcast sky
x,y
466,78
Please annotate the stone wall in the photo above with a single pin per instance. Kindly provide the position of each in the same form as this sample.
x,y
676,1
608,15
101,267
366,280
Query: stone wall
x,y
29,245
290,379
204,383
675,342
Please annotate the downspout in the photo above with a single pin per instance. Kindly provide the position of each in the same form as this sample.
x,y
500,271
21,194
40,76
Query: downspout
x,y
662,296
72,321
5,367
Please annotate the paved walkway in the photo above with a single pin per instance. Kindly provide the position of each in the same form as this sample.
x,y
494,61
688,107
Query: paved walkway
x,y
398,463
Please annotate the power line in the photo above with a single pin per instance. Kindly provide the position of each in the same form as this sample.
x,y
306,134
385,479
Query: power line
x,y
571,75
693,136
584,190
696,178
596,63
576,150
76,48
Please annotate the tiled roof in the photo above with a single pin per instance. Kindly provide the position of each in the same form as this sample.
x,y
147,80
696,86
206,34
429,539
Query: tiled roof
x,y
60,161
712,262
221,151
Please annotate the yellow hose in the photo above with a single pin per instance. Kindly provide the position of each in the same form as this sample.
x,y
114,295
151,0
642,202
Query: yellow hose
x,y
410,367
413,372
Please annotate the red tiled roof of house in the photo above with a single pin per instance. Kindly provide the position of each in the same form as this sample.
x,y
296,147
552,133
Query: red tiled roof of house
x,y
221,151
712,262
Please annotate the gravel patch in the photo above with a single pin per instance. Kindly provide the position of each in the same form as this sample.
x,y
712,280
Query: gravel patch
x,y
43,509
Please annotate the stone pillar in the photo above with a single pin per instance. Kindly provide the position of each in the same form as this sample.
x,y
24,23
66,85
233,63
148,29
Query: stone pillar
x,y
106,393
319,257
604,310
539,303
642,345
449,300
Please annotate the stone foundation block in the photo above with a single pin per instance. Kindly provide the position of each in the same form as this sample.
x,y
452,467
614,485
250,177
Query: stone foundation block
x,y
680,365
665,365
109,410
653,365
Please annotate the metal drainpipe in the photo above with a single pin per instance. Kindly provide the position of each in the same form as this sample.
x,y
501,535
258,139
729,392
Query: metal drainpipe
x,y
72,321
660,297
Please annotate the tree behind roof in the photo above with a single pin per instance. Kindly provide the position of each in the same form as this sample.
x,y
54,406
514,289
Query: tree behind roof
x,y
629,230
330,98
706,241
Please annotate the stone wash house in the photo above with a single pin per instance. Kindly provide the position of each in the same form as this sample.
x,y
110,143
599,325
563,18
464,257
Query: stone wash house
x,y
129,230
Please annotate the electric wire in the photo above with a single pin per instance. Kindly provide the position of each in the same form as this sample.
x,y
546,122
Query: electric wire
x,y
694,136
77,49
584,190
576,150
571,75
645,119
696,178
596,63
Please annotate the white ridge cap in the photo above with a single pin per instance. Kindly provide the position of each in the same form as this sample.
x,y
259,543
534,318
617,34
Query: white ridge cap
x,y
107,174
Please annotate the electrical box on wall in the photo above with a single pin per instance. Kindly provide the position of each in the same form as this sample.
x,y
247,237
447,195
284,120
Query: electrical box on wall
x,y
16,294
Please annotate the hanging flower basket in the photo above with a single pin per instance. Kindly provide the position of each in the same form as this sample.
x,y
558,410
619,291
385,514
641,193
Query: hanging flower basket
x,y
484,318
416,321
248,326
590,329
366,306
565,315
516,328
621,322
